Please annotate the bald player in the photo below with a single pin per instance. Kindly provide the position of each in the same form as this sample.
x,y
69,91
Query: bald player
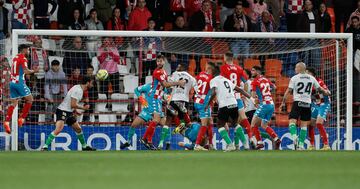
x,y
301,86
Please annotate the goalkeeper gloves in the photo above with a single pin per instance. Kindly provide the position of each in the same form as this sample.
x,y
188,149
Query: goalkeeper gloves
x,y
143,102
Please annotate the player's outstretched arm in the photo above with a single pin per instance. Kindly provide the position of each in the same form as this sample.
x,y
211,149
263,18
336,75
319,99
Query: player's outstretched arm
x,y
28,71
238,89
212,97
170,84
75,105
288,90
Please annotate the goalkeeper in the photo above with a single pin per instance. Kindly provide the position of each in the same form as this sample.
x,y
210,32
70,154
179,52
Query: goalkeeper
x,y
191,133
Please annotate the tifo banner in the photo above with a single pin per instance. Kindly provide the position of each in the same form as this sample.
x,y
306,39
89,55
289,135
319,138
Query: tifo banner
x,y
110,138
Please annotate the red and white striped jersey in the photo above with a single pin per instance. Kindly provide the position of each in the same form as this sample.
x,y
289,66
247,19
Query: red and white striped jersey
x,y
159,76
23,11
262,87
203,82
17,68
295,6
319,97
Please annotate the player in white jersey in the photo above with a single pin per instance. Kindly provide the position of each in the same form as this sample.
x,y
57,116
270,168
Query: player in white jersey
x,y
301,85
67,112
224,89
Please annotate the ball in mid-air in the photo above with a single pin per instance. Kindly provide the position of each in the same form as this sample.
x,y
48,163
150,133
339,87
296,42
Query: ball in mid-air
x,y
102,75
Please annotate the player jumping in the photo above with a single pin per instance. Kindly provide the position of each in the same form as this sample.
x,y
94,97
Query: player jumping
x,y
236,75
67,112
319,111
224,89
301,85
160,78
261,88
18,88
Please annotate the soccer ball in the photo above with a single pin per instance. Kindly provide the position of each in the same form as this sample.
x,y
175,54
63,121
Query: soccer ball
x,y
102,75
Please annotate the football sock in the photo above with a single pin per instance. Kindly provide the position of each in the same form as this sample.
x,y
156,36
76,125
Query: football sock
x,y
265,135
256,132
224,135
9,113
312,135
247,126
81,138
239,132
271,132
176,121
292,128
164,132
25,110
210,133
201,135
130,134
49,139
187,118
150,131
302,136
323,133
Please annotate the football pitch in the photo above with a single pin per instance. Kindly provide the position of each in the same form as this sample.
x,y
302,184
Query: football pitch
x,y
179,169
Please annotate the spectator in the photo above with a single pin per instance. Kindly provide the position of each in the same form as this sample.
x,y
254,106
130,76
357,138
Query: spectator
x,y
4,30
109,58
355,13
39,58
277,11
227,9
342,10
92,23
177,8
179,24
75,77
37,90
76,56
77,22
151,46
92,93
191,7
66,13
309,20
158,10
257,7
238,22
42,14
204,19
21,16
124,6
55,88
115,23
104,9
325,20
293,13
355,30
139,16
265,24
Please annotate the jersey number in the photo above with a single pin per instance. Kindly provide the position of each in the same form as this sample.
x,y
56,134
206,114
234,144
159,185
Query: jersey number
x,y
265,89
233,78
202,86
304,89
186,81
227,85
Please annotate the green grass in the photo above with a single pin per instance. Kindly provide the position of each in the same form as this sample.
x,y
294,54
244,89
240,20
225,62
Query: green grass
x,y
179,169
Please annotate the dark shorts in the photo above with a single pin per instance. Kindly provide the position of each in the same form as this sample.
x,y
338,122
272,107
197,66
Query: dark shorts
x,y
250,115
178,108
300,110
67,117
225,113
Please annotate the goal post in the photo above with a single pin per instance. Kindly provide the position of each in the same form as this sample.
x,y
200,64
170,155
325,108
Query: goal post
x,y
342,43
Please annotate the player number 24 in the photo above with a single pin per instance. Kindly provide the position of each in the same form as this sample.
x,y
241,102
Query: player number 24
x,y
301,86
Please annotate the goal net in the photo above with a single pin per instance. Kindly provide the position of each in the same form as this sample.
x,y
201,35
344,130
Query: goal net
x,y
64,57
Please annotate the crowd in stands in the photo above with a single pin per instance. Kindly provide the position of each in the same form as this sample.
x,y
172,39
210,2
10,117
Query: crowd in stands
x,y
160,15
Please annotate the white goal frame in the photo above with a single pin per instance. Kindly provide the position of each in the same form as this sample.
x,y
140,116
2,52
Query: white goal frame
x,y
256,35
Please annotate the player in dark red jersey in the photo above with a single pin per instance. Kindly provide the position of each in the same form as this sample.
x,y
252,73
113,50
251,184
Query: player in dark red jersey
x,y
160,80
237,75
18,88
319,109
261,88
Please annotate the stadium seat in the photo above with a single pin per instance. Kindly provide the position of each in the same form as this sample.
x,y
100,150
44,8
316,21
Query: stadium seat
x,y
60,59
281,85
273,68
101,106
130,83
119,106
192,66
282,120
249,63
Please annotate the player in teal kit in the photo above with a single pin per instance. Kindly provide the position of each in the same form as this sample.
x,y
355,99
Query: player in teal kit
x,y
190,133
